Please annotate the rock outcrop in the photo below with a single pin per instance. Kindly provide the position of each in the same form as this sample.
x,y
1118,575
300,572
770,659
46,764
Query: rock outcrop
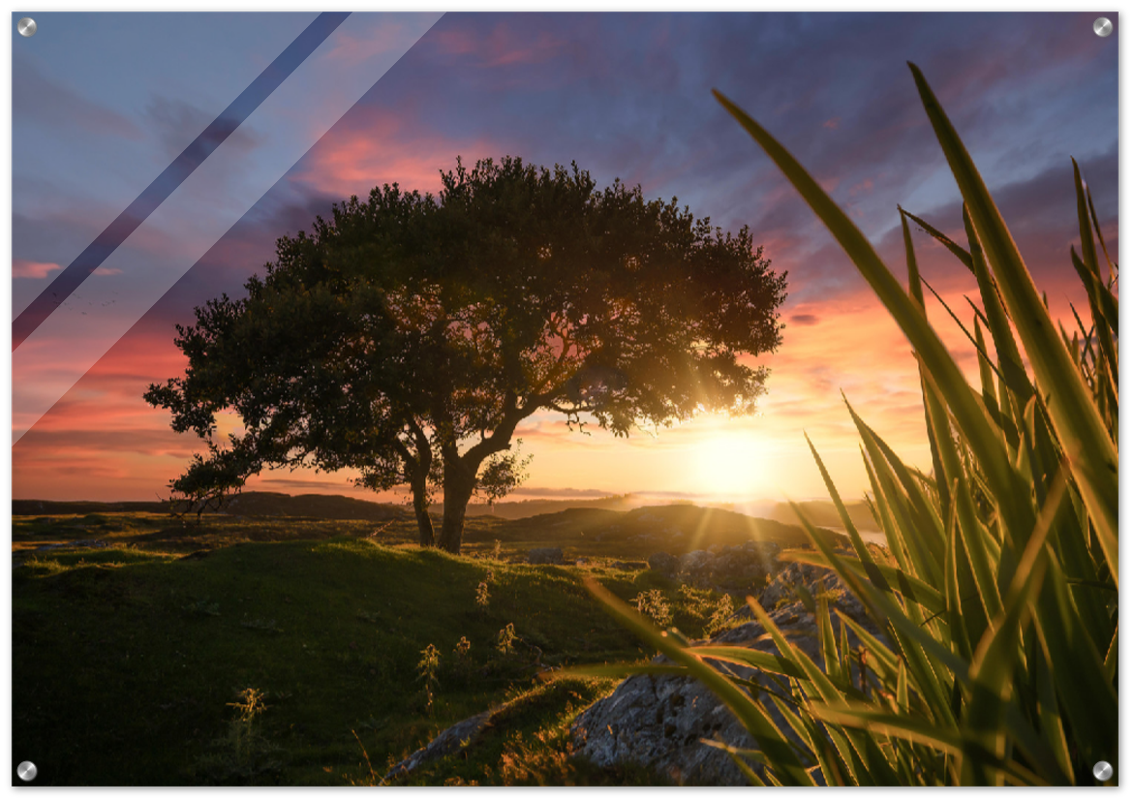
x,y
449,741
737,569
658,721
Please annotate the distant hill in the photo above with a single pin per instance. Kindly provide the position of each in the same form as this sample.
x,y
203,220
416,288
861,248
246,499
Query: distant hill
x,y
521,509
319,506
326,506
627,515
248,504
677,528
55,507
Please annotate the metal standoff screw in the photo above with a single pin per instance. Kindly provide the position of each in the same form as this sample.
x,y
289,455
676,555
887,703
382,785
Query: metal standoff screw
x,y
1102,770
1102,26
27,27
26,770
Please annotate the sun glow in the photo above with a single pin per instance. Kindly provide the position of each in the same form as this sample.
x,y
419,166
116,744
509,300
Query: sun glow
x,y
730,465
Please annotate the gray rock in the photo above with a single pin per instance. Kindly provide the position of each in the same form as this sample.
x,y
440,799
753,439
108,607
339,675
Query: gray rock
x,y
545,555
817,580
664,563
447,742
694,561
659,721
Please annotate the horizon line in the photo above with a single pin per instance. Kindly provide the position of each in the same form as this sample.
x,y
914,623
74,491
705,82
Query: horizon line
x,y
669,497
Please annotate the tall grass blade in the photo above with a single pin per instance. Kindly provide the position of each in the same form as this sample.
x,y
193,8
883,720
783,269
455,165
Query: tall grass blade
x,y
1076,420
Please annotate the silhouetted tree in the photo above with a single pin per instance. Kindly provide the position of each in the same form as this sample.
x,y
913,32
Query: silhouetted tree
x,y
409,335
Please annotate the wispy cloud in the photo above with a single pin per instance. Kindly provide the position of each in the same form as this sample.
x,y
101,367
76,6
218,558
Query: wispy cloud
x,y
43,100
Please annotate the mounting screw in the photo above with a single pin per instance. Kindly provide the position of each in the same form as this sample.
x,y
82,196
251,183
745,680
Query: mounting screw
x,y
1102,27
27,27
1102,770
26,770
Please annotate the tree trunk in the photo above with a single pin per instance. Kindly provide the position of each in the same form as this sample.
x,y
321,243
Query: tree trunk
x,y
458,486
417,469
424,521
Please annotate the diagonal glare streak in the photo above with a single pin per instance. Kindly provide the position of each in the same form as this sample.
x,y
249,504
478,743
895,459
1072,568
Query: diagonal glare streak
x,y
174,175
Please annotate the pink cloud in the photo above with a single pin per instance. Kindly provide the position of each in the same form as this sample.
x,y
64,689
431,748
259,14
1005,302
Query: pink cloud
x,y
380,148
22,268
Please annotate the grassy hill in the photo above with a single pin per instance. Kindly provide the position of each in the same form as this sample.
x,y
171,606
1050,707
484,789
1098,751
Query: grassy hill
x,y
136,637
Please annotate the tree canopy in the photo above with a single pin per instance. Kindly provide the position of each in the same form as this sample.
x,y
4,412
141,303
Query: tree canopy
x,y
409,335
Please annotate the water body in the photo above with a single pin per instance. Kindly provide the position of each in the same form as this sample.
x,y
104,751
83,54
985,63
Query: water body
x,y
870,537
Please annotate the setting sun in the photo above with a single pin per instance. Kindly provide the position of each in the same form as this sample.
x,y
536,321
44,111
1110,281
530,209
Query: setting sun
x,y
729,465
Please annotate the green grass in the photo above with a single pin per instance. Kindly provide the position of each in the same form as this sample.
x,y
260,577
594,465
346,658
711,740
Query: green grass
x,y
129,657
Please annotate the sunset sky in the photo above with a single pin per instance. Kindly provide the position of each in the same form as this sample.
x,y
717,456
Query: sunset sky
x,y
103,103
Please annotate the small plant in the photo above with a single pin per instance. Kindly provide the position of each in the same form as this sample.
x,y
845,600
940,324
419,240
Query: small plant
x,y
653,605
505,640
463,647
246,752
460,670
825,591
785,600
427,669
720,617
242,733
497,550
483,598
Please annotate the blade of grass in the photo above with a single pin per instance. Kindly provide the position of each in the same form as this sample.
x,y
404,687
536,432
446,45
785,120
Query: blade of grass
x,y
1075,418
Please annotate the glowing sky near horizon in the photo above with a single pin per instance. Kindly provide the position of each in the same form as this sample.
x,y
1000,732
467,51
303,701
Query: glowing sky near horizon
x,y
625,96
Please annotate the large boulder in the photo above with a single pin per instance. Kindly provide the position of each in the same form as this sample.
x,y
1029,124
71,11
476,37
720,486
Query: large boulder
x,y
659,721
